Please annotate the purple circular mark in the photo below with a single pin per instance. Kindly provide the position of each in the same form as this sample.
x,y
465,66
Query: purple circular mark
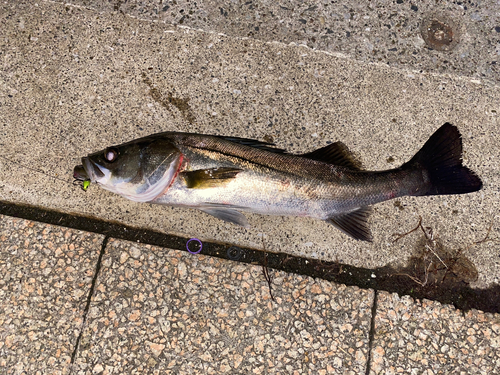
x,y
197,240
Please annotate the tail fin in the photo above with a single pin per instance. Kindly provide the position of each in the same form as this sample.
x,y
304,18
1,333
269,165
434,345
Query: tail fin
x,y
441,156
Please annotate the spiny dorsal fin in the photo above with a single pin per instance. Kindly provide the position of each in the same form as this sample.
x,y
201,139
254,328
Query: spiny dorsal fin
x,y
204,178
267,146
337,154
355,224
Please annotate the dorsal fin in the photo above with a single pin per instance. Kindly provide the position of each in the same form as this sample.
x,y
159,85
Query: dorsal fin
x,y
337,154
267,146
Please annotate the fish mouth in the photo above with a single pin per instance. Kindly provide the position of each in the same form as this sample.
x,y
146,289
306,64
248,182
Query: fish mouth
x,y
79,173
91,169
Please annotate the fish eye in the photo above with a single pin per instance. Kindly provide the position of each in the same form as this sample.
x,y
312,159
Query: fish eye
x,y
110,155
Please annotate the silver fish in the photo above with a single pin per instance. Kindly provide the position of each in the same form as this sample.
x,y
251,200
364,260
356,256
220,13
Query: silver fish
x,y
225,175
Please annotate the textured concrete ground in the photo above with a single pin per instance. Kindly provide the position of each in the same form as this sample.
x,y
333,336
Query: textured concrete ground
x,y
78,77
66,307
75,80
191,314
426,337
387,32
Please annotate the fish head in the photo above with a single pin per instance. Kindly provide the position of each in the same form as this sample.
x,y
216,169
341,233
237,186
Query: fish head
x,y
140,170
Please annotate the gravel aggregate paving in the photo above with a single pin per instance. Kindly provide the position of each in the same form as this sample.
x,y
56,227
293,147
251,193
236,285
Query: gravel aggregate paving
x,y
161,311
46,276
413,337
170,312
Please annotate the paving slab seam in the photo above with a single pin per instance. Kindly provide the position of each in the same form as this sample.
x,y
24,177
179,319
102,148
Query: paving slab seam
x,y
89,299
371,334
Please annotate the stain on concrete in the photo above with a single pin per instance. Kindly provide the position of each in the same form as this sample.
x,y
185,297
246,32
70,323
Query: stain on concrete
x,y
167,100
268,138
398,205
117,5
435,264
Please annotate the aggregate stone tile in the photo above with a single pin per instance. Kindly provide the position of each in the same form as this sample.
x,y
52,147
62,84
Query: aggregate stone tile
x,y
46,277
163,311
427,337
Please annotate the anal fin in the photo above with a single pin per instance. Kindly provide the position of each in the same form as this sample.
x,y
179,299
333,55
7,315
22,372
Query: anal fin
x,y
229,215
354,224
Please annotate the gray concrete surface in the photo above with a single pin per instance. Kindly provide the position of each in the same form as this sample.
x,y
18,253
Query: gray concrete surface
x,y
382,32
160,311
75,80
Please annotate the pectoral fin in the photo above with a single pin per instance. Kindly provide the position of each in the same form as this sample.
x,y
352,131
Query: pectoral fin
x,y
354,224
229,215
205,178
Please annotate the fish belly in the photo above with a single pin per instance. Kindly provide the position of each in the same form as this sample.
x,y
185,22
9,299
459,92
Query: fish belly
x,y
255,193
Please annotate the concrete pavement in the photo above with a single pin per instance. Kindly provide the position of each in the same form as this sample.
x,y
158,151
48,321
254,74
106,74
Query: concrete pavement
x,y
73,302
78,77
76,80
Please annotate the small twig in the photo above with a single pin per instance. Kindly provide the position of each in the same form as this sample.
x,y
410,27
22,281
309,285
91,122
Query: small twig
x,y
328,268
413,278
265,271
429,234
286,260
436,255
427,274
323,266
485,239
399,235
453,262
419,282
455,259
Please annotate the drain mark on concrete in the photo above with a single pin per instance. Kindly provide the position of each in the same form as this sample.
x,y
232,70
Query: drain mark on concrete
x,y
440,32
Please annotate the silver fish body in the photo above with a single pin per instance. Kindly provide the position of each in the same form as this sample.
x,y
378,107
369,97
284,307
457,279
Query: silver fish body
x,y
223,176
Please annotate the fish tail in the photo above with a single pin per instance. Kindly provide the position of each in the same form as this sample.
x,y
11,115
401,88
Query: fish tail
x,y
441,158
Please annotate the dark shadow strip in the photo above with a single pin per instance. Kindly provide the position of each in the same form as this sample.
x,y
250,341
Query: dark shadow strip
x,y
389,279
89,298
